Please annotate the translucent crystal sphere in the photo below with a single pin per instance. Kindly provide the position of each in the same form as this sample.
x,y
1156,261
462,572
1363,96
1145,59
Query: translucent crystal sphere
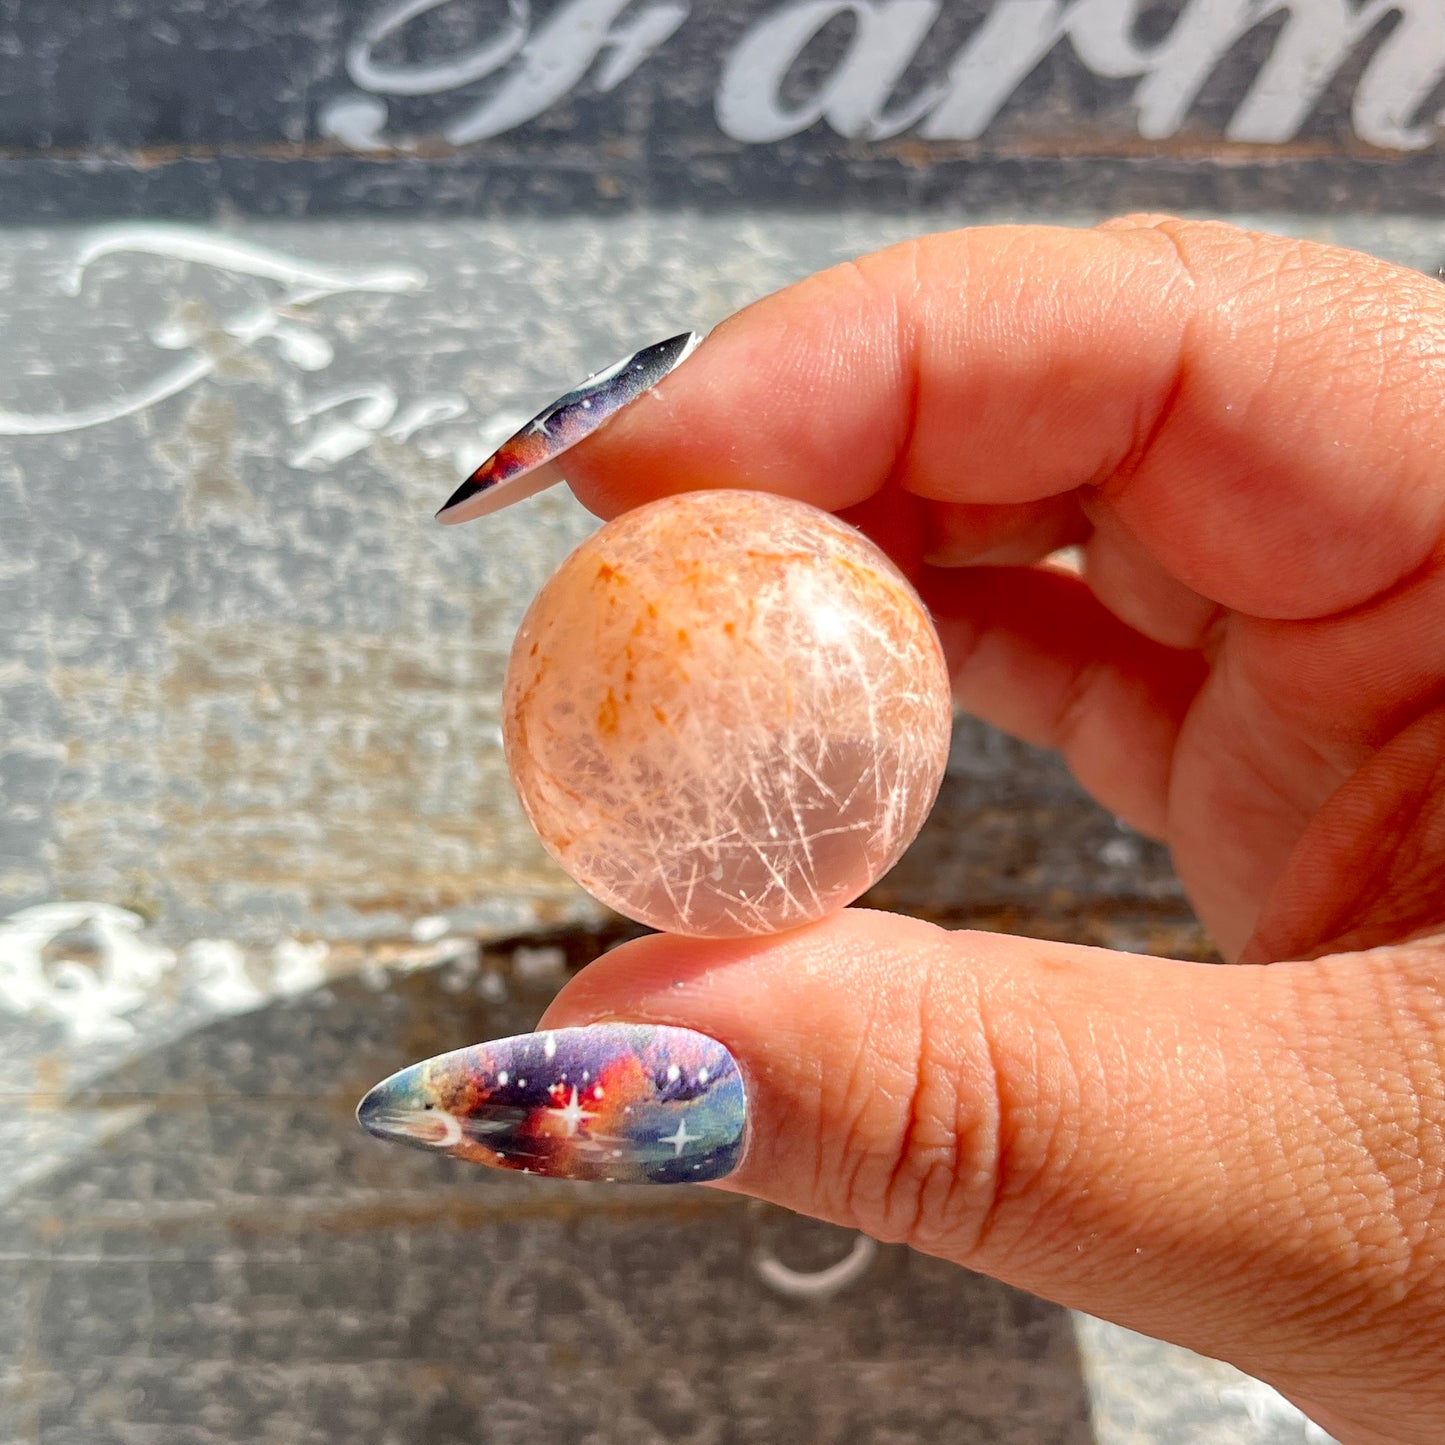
x,y
727,714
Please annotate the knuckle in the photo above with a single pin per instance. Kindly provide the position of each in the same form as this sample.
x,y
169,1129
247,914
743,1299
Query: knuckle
x,y
943,1133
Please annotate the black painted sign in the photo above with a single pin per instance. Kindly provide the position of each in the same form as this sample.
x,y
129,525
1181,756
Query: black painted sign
x,y
317,106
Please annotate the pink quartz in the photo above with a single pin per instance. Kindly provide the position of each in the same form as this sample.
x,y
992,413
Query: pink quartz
x,y
727,713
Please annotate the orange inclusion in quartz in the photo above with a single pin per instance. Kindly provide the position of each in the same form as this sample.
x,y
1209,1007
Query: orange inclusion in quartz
x,y
727,713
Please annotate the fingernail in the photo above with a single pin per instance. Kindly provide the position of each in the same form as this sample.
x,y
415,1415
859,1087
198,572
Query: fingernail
x,y
520,467
624,1103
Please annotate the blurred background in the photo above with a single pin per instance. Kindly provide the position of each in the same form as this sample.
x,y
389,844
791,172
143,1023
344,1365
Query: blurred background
x,y
274,278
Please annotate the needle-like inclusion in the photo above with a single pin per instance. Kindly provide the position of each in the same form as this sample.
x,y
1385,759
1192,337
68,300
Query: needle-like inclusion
x,y
524,464
727,713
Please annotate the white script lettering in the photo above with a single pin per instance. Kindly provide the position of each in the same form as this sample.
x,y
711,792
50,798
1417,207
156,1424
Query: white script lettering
x,y
551,61
886,36
531,65
1313,45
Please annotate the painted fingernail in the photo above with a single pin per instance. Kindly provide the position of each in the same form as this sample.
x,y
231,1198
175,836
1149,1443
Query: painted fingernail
x,y
522,465
624,1103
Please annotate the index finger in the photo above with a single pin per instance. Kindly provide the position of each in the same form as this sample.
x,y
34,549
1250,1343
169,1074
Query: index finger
x,y
1264,414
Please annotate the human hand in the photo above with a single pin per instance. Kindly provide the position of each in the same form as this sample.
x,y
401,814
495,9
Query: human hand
x,y
1247,436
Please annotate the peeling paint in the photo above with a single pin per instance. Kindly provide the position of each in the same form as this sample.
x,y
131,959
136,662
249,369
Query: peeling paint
x,y
84,966
91,967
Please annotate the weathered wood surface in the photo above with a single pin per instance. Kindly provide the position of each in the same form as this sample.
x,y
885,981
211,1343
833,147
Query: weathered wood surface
x,y
249,691
256,842
323,106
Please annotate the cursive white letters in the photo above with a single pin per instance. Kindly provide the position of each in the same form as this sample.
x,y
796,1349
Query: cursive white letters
x,y
532,65
551,60
557,56
1318,39
276,319
886,36
431,77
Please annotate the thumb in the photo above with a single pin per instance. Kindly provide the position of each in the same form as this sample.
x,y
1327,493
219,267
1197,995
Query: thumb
x,y
1241,1159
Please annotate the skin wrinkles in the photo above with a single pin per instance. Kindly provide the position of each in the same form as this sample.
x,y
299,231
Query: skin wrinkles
x,y
1247,434
904,1190
1138,591
853,1147
1154,420
1385,659
1339,1019
1383,1107
1325,322
1366,870
1037,1146
964,1143
891,1082
901,344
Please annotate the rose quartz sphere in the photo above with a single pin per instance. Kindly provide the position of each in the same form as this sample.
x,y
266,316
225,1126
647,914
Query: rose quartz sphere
x,y
727,714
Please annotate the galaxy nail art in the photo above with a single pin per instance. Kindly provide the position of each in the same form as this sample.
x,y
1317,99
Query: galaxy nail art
x,y
520,466
624,1103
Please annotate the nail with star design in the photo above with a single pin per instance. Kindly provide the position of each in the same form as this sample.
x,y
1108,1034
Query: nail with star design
x,y
624,1103
525,463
